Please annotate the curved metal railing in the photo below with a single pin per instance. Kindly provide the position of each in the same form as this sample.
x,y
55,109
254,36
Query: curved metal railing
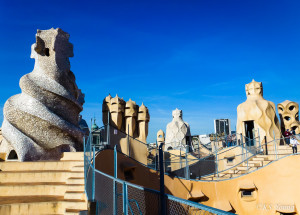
x,y
185,163
112,195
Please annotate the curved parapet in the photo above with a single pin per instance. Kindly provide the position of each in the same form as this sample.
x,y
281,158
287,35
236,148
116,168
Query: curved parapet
x,y
273,189
42,121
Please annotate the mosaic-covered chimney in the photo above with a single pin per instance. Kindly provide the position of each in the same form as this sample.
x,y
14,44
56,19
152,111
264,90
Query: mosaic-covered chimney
x,y
42,122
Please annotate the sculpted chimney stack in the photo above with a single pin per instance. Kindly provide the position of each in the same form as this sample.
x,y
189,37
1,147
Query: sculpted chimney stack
x,y
42,121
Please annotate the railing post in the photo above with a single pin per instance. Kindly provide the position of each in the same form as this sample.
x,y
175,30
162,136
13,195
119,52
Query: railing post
x,y
93,185
84,161
156,155
249,142
260,148
247,159
115,162
275,144
254,138
266,145
90,138
217,165
162,181
242,144
108,129
198,148
115,194
128,144
187,169
125,199
180,158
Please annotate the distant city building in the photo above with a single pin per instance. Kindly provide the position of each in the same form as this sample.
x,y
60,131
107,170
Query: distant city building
x,y
204,139
222,126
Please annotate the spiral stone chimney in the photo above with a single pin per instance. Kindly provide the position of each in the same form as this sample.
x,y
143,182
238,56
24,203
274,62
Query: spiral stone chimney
x,y
42,122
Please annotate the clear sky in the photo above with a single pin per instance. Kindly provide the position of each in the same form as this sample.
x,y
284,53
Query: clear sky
x,y
192,55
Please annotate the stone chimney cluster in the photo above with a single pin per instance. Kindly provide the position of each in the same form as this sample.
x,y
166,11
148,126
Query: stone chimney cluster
x,y
127,117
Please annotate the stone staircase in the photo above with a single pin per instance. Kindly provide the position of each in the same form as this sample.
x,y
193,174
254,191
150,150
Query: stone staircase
x,y
252,164
43,187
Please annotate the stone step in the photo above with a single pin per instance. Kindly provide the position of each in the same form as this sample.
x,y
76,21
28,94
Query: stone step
x,y
32,204
256,163
75,195
75,180
35,189
280,152
260,158
284,147
72,156
38,176
207,178
49,207
252,169
76,212
232,171
235,175
266,162
75,204
32,208
242,168
78,168
249,164
223,175
39,166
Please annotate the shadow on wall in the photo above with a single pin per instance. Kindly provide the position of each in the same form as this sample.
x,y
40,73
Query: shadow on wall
x,y
198,169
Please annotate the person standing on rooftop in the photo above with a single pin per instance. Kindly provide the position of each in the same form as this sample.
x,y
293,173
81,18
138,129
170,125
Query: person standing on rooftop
x,y
294,143
287,135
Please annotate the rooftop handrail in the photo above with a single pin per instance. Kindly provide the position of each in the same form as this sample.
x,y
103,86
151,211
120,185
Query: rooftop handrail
x,y
184,158
248,158
109,184
111,126
260,149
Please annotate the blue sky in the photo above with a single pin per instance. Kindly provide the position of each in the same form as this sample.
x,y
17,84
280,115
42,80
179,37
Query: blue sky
x,y
192,55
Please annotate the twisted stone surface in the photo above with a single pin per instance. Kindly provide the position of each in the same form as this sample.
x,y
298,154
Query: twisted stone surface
x,y
42,121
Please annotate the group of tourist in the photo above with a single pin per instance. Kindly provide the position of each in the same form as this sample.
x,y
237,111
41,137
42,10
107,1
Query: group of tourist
x,y
230,140
290,139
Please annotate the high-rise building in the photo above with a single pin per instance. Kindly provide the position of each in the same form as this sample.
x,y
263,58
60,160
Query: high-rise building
x,y
222,126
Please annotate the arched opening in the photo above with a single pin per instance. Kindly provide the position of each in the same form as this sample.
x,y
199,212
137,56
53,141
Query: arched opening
x,y
292,107
12,155
47,52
